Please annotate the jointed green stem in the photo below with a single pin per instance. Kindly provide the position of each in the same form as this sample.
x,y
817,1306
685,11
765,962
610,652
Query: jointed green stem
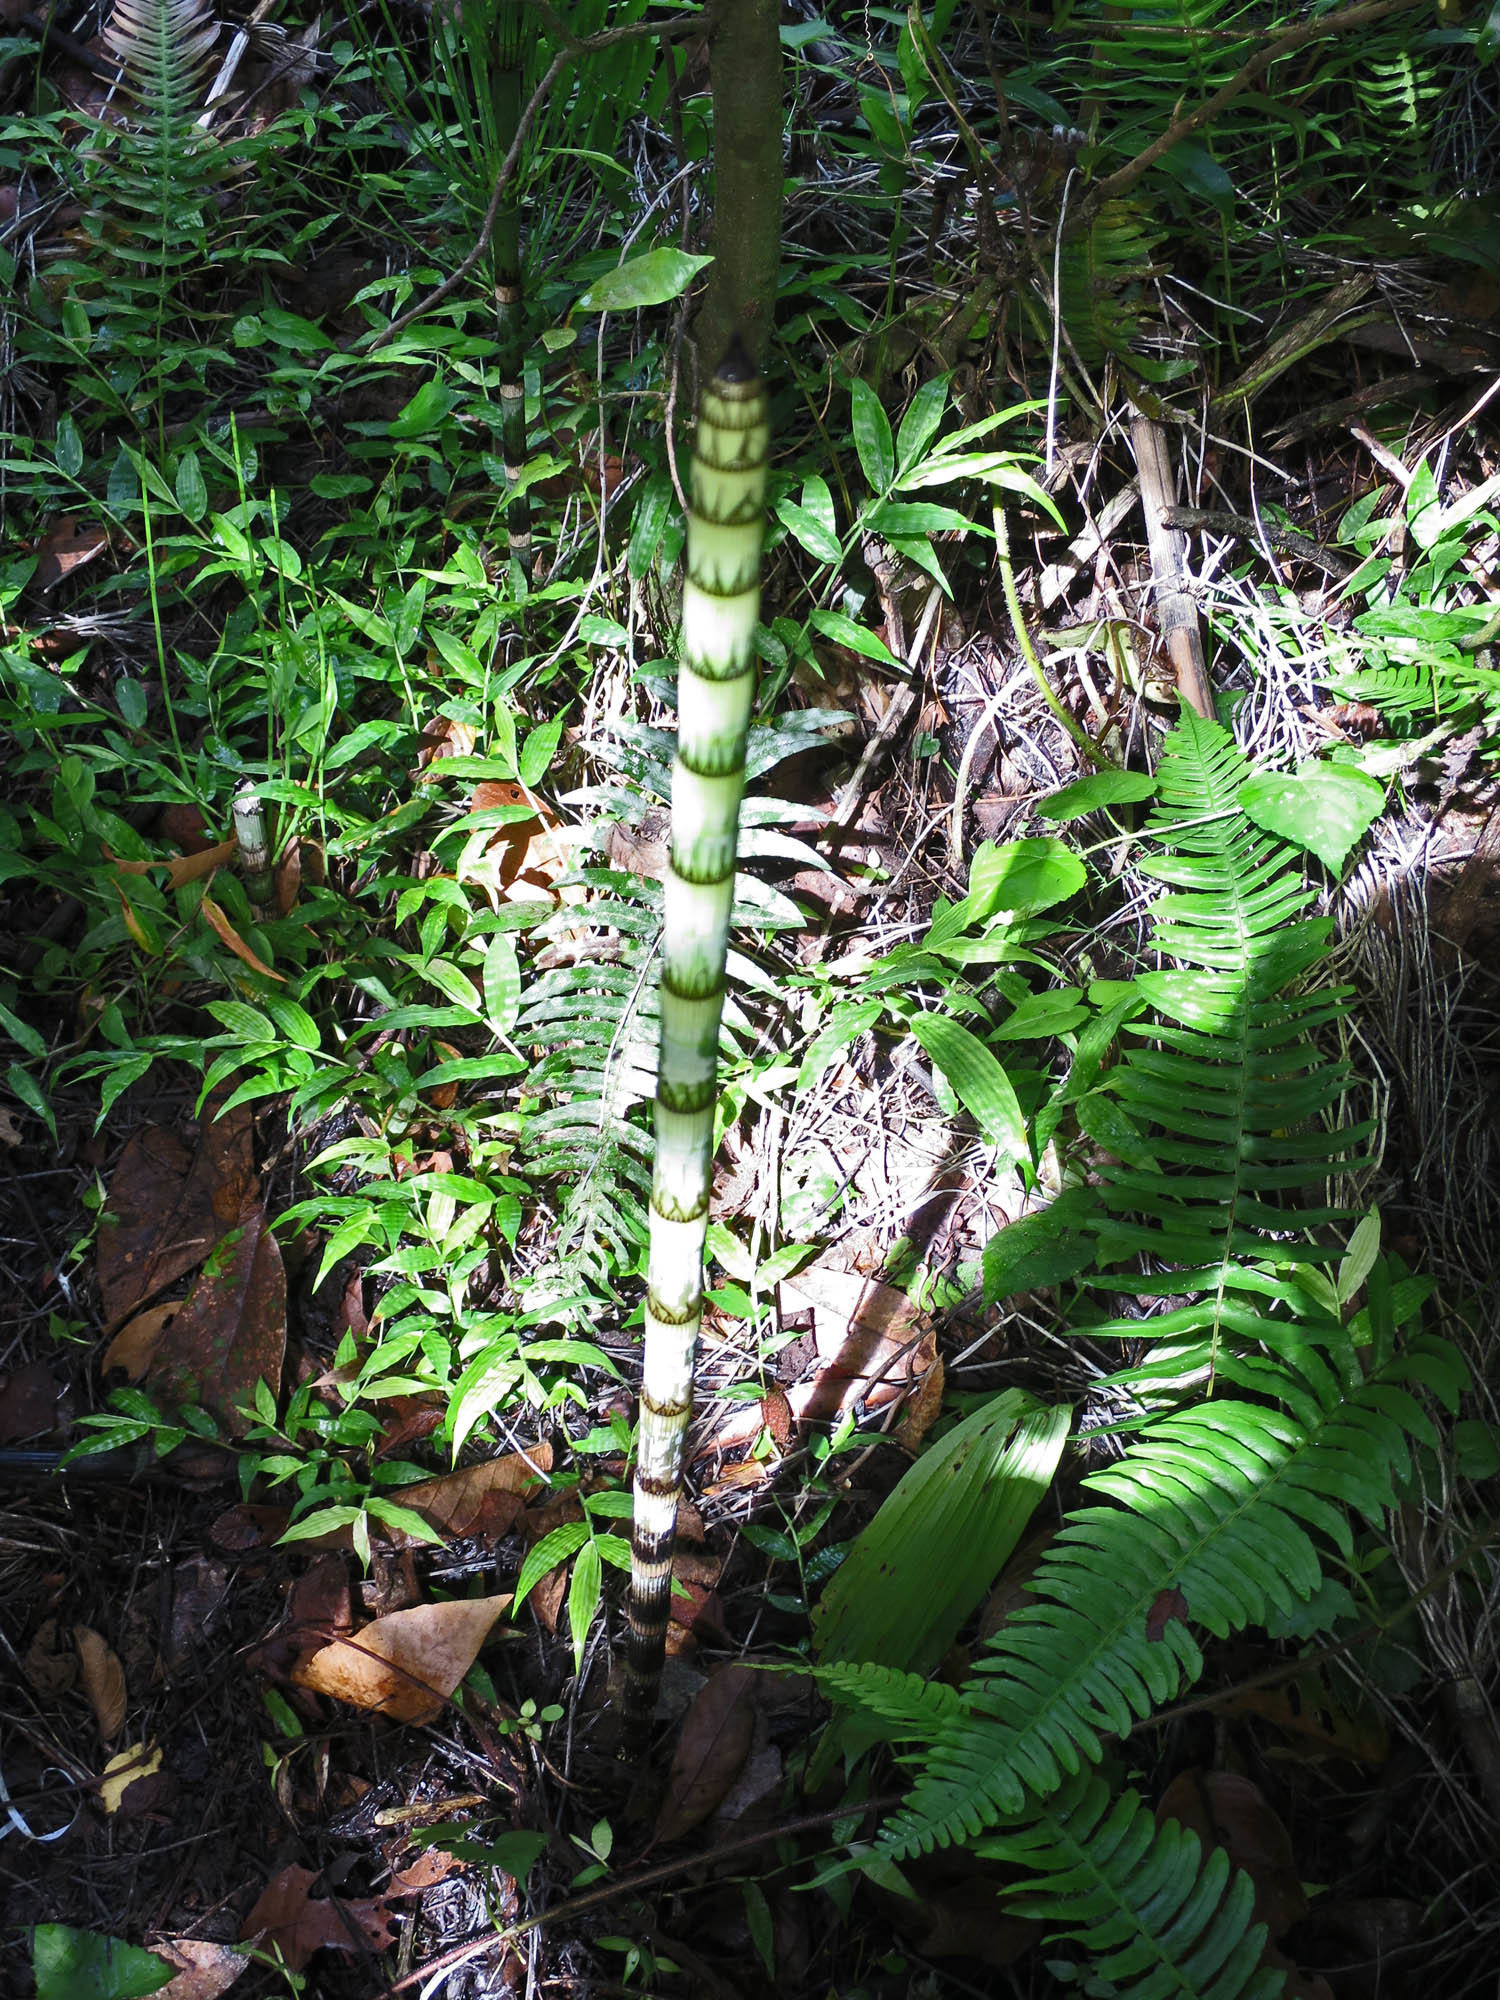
x,y
721,602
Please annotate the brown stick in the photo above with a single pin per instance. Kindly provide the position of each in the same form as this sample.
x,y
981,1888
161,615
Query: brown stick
x,y
1175,604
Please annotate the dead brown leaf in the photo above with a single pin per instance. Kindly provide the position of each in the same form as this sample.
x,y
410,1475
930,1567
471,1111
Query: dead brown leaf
x,y
286,1917
10,1131
198,1589
924,1409
481,1500
133,1348
1313,1712
68,544
1229,1811
404,1666
49,1670
202,1970
231,1330
717,1732
28,1402
216,920
317,1611
103,1679
248,1526
166,1207
546,1597
181,868
155,1224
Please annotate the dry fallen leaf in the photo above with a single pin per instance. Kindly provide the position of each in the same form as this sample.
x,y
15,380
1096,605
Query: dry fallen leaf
x,y
167,1207
230,1332
1229,1811
48,1670
202,1970
28,1402
919,1416
69,544
285,1917
717,1732
103,1679
130,1352
427,1867
127,1768
405,1666
479,1499
10,1131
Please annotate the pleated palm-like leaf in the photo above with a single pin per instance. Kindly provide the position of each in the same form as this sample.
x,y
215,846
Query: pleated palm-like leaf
x,y
1159,1920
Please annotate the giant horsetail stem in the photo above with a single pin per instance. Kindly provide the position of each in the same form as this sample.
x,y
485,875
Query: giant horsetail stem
x,y
720,605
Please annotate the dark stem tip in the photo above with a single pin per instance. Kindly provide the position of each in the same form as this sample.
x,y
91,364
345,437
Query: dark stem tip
x,y
737,366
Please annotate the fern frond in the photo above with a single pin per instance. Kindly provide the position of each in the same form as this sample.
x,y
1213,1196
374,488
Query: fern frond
x,y
907,1705
1218,1506
1157,1918
1231,1089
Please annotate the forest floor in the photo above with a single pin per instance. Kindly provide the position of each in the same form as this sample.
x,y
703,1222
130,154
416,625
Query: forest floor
x,y
203,1747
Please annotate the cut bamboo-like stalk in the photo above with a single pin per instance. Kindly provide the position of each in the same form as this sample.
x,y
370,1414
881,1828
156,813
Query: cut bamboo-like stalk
x,y
720,606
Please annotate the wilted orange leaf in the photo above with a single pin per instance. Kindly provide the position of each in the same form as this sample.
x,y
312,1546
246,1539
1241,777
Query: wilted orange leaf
x,y
217,921
182,868
405,1666
103,1679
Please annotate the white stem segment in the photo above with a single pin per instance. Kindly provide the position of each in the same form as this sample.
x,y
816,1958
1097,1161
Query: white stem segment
x,y
720,605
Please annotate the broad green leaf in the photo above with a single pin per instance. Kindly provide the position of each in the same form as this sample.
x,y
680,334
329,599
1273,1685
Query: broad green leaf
x,y
79,1965
1359,1258
549,1552
994,468
923,416
845,1024
897,519
502,984
836,625
818,540
1056,1012
583,1599
1323,807
539,749
67,447
982,1086
192,493
1041,1249
648,280
872,436
1101,788
1108,1126
1022,876
424,412
453,983
647,524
